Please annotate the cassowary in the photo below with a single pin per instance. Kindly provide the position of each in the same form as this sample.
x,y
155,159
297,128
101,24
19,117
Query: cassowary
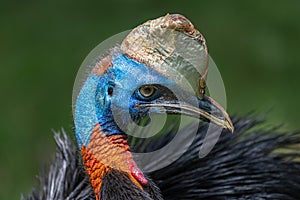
x,y
147,75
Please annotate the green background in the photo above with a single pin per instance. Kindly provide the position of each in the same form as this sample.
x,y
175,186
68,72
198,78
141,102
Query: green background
x,y
255,45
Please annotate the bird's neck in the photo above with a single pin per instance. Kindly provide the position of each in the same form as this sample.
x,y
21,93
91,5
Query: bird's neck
x,y
103,144
105,149
106,153
107,122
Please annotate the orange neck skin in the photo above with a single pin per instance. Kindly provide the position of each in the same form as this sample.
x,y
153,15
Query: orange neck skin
x,y
106,152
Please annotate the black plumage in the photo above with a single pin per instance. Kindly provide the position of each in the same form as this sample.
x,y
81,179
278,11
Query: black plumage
x,y
252,163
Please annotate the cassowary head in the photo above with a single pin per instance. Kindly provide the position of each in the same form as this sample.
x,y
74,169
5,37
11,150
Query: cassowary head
x,y
161,66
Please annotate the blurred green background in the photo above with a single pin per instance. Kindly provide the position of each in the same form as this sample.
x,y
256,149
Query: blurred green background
x,y
42,44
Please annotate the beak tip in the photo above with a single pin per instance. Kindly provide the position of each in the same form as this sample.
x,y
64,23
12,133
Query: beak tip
x,y
229,126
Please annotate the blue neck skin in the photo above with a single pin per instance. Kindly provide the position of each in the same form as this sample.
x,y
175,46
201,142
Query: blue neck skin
x,y
94,103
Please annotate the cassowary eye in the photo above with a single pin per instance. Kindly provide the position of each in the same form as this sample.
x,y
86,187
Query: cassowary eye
x,y
147,91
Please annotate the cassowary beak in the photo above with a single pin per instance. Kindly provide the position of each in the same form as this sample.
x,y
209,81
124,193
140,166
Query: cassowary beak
x,y
207,110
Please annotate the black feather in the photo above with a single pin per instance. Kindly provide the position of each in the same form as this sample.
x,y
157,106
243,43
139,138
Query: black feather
x,y
243,165
118,186
66,178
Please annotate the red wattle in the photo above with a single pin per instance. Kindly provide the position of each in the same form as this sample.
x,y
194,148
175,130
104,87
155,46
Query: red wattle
x,y
138,175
